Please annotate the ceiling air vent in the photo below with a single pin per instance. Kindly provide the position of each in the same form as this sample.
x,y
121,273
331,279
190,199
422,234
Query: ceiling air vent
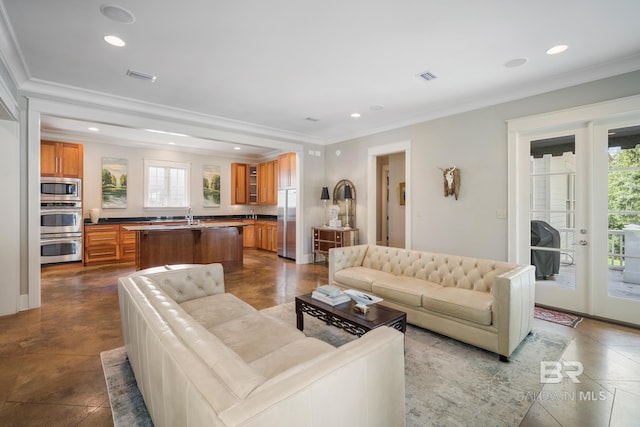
x,y
141,76
428,75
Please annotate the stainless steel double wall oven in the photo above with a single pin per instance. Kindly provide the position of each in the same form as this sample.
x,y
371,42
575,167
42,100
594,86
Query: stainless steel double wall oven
x,y
60,219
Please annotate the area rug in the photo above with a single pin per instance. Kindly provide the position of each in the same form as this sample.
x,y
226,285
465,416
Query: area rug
x,y
127,406
448,383
556,317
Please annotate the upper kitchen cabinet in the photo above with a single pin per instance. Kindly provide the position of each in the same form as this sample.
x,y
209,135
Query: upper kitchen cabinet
x,y
239,183
268,183
287,170
254,184
62,159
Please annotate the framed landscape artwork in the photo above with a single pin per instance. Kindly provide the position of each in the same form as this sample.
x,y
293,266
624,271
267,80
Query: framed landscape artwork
x,y
114,183
211,186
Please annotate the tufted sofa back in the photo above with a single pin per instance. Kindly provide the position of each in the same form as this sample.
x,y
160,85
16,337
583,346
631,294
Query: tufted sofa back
x,y
190,283
445,270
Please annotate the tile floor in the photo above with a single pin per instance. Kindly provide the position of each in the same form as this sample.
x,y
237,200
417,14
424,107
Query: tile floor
x,y
50,371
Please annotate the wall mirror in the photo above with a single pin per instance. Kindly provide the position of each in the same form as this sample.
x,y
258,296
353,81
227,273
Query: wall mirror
x,y
338,199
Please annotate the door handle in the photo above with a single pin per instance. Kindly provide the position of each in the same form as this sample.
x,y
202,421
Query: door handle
x,y
583,242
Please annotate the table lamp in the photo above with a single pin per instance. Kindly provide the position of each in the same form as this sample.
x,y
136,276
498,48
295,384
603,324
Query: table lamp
x,y
348,196
325,199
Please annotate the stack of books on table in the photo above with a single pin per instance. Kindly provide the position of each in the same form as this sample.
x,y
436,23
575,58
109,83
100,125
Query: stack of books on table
x,y
330,295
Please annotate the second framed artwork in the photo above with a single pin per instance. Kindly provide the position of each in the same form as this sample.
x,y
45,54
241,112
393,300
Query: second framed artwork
x,y
211,186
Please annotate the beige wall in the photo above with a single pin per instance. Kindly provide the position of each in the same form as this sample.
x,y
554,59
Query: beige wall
x,y
476,142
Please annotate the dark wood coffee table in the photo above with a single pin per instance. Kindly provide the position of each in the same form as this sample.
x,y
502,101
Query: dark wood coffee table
x,y
345,317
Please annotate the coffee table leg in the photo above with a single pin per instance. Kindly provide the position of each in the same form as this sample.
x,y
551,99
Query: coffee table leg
x,y
299,318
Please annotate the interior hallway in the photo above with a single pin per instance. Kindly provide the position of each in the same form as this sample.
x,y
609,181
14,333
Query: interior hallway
x,y
50,371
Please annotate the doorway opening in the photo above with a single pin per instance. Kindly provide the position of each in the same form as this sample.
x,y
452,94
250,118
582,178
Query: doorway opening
x,y
389,219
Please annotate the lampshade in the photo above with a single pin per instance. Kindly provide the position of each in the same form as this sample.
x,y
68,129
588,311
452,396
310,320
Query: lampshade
x,y
325,194
347,192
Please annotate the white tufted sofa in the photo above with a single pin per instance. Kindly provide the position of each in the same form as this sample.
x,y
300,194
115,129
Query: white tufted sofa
x,y
486,303
202,357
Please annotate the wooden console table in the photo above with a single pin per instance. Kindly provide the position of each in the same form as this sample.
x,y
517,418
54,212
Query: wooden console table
x,y
325,238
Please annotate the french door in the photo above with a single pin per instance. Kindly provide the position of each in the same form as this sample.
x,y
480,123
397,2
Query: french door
x,y
558,217
574,207
616,207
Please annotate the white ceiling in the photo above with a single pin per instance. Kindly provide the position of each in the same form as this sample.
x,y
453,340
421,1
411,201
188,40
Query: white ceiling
x,y
273,64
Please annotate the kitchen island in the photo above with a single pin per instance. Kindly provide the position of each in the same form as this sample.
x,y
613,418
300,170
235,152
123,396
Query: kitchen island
x,y
197,243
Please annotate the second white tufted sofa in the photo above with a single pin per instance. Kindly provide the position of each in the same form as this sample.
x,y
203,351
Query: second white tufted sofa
x,y
482,302
203,357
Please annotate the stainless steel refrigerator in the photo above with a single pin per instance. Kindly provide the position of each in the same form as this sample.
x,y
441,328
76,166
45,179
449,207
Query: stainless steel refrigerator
x,y
287,223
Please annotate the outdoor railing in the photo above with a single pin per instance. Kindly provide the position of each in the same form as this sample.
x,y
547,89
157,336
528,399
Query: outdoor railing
x,y
616,252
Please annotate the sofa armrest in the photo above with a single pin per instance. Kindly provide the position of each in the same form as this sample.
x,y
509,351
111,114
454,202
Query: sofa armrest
x,y
345,257
361,383
513,302
185,284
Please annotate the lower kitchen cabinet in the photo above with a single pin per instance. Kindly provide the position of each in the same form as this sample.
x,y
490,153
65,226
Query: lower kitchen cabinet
x,y
101,243
108,243
267,235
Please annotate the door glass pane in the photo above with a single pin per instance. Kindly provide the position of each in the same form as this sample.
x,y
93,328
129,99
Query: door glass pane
x,y
623,234
552,210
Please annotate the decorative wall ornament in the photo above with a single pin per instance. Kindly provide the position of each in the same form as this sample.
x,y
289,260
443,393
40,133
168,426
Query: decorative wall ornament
x,y
114,183
451,181
341,202
211,186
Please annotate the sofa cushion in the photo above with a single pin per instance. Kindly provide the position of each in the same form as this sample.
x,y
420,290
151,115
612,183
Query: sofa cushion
x,y
359,277
216,309
464,304
401,289
255,335
290,355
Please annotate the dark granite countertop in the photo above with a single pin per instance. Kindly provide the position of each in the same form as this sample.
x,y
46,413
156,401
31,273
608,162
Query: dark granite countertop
x,y
160,219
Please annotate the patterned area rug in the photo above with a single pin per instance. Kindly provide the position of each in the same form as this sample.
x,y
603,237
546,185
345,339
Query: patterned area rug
x,y
447,382
557,317
127,405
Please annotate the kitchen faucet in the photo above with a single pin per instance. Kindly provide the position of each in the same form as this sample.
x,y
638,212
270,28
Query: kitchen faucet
x,y
189,216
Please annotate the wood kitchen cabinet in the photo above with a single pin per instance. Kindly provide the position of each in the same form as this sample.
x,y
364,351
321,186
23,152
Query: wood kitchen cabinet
x,y
287,170
254,184
101,243
109,243
127,244
249,234
239,183
268,183
61,159
267,235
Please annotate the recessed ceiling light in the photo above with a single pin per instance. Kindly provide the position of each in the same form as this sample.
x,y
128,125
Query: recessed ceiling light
x,y
557,49
165,132
94,129
117,14
355,115
237,148
171,143
114,41
517,62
